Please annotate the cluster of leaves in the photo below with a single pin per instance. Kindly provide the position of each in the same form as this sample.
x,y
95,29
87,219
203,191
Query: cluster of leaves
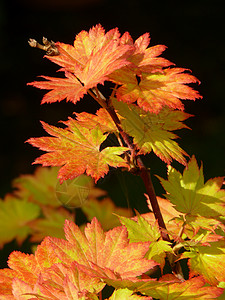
x,y
39,206
140,76
80,266
138,256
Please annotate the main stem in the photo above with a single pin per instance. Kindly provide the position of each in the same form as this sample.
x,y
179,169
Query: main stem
x,y
143,171
145,175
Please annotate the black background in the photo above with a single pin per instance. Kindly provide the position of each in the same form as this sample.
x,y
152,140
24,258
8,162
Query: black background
x,y
193,31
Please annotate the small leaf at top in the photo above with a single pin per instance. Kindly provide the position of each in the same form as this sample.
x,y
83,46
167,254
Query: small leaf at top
x,y
94,56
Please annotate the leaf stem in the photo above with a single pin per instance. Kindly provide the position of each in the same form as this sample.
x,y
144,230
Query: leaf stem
x,y
143,171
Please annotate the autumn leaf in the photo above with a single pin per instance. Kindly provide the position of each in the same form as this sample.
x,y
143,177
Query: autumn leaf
x,y
207,261
143,57
94,56
6,278
159,89
25,265
15,215
77,149
101,119
68,88
152,132
105,211
190,195
148,82
99,251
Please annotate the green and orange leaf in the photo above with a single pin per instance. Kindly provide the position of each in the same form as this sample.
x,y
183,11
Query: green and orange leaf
x,y
157,89
77,149
207,261
140,230
152,132
187,290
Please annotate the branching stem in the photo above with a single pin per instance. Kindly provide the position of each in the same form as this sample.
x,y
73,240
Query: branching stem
x,y
143,171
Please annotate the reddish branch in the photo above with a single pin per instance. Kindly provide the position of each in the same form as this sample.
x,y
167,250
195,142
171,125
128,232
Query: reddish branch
x,y
143,171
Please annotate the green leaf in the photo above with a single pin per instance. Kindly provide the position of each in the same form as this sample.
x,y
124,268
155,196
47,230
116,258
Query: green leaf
x,y
126,294
143,231
191,196
15,215
140,231
152,132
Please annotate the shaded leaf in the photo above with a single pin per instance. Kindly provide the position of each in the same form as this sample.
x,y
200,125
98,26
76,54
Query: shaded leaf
x,y
38,187
103,211
51,224
15,215
74,193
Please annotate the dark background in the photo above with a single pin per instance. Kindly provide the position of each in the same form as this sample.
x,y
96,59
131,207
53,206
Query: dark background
x,y
194,32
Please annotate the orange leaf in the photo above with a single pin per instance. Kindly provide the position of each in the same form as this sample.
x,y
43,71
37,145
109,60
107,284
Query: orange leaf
x,y
77,149
94,56
157,89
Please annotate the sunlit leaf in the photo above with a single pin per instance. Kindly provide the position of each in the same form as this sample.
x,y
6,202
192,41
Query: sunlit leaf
x,y
190,195
94,56
152,132
82,151
207,261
